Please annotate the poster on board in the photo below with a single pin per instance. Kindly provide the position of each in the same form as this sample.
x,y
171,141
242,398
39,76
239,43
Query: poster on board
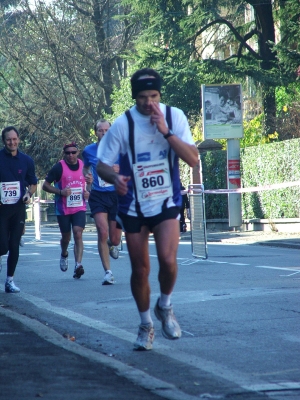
x,y
222,111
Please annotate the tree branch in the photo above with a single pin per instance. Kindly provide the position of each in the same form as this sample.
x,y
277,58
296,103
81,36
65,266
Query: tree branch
x,y
232,29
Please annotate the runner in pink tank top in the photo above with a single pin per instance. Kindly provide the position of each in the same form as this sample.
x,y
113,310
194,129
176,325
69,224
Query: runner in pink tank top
x,y
70,203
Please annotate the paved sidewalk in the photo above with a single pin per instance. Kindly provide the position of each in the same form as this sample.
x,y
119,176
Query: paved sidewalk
x,y
276,239
37,362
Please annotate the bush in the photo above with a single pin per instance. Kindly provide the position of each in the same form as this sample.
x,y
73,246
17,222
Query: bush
x,y
260,166
214,172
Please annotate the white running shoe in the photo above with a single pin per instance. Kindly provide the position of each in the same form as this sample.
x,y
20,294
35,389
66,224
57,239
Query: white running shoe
x,y
22,243
108,278
10,287
145,337
170,327
113,250
64,263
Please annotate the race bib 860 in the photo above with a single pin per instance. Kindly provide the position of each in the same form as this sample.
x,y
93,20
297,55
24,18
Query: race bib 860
x,y
152,179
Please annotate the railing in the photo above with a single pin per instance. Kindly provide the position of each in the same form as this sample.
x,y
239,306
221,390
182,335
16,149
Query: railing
x,y
37,215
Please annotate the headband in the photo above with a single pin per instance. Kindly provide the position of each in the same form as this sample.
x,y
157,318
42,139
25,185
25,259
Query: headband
x,y
145,84
73,144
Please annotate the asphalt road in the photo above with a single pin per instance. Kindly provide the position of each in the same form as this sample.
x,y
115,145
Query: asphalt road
x,y
239,312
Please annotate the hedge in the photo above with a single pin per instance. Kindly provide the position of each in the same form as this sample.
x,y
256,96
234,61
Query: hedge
x,y
260,165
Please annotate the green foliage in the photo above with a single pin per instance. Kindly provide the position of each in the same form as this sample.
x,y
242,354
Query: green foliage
x,y
288,102
287,96
59,62
182,87
196,129
184,171
121,100
269,164
288,48
288,109
253,132
93,137
261,165
194,42
214,174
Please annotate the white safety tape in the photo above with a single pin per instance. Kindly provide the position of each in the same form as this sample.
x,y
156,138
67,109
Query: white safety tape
x,y
37,199
244,190
221,191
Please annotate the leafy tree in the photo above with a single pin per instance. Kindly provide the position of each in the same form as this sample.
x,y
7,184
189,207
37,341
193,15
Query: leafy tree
x,y
208,41
288,112
121,99
253,132
58,65
288,48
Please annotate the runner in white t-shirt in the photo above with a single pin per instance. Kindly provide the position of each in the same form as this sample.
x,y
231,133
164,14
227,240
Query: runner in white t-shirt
x,y
149,138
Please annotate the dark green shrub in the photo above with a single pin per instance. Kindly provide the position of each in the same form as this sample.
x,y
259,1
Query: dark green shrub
x,y
214,173
260,166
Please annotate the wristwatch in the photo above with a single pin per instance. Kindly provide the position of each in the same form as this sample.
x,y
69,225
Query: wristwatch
x,y
170,133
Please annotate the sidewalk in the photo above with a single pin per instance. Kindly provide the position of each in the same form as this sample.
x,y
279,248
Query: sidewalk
x,y
37,362
276,239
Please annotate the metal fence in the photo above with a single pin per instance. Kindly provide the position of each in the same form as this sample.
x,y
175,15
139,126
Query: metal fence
x,y
198,221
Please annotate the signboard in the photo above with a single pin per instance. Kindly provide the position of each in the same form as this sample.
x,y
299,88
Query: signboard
x,y
222,111
234,172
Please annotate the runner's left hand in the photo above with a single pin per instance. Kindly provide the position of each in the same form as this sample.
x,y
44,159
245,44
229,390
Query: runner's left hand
x,y
26,198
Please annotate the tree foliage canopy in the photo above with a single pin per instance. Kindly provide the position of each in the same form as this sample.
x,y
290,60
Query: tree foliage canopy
x,y
224,41
62,64
58,65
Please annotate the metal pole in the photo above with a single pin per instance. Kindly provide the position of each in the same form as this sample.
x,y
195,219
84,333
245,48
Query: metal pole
x,y
234,182
37,218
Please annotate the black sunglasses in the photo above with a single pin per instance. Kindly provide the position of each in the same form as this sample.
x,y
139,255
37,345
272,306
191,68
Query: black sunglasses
x,y
70,152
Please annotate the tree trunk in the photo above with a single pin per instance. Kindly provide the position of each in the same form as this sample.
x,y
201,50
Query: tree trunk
x,y
266,33
269,106
108,83
103,43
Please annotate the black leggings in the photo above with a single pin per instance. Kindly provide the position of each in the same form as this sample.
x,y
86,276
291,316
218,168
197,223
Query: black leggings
x,y
12,222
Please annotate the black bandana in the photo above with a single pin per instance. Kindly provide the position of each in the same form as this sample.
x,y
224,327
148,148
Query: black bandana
x,y
145,84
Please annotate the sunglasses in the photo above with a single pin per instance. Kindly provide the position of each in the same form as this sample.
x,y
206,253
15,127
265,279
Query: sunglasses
x,y
70,152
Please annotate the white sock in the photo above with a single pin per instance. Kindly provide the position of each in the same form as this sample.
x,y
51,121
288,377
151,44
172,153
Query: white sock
x,y
164,300
78,264
146,317
9,279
